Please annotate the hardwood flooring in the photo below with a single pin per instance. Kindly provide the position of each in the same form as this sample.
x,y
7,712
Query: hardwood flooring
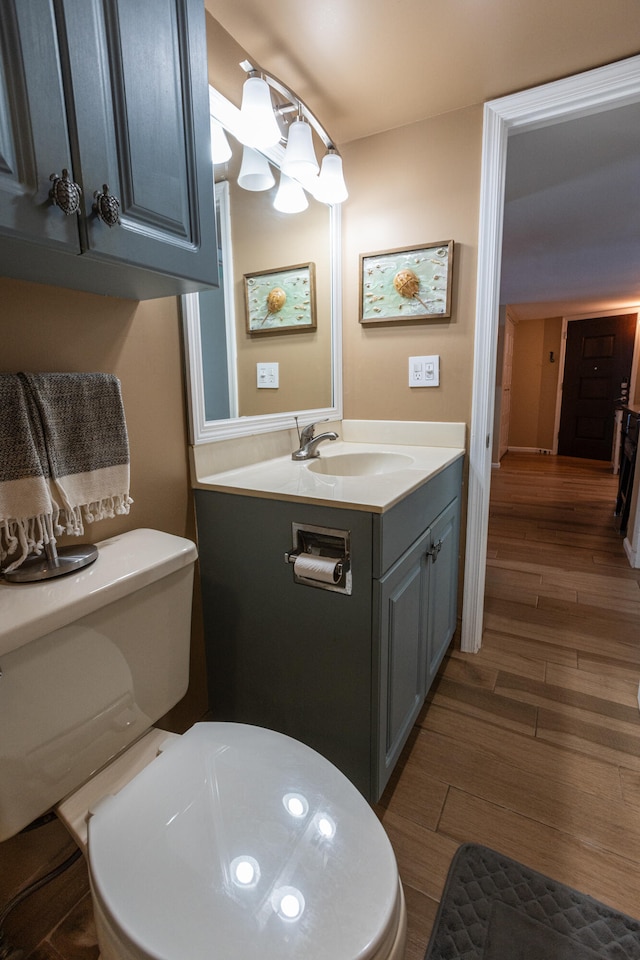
x,y
531,746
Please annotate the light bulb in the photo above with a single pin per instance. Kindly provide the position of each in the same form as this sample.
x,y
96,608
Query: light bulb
x,y
220,149
255,172
331,187
290,197
258,125
299,159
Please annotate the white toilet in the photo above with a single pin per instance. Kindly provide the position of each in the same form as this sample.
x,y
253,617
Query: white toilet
x,y
228,842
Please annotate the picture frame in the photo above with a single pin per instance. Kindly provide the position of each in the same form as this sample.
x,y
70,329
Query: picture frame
x,y
406,284
281,300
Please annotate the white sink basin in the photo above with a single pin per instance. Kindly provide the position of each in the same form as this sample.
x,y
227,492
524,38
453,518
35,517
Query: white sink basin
x,y
360,464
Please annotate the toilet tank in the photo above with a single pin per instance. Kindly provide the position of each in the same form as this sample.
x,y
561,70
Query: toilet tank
x,y
88,662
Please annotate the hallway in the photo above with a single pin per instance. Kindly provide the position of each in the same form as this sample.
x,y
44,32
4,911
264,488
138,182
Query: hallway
x,y
532,746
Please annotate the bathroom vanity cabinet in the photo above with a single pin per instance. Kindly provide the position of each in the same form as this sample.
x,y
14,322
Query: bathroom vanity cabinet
x,y
116,94
346,673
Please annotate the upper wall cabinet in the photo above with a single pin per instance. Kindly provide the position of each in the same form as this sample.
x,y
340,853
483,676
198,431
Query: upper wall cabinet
x,y
115,93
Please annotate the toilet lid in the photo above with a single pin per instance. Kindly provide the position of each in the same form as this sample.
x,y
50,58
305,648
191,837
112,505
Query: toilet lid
x,y
239,842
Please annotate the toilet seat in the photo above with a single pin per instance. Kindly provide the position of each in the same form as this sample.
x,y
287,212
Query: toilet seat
x,y
239,842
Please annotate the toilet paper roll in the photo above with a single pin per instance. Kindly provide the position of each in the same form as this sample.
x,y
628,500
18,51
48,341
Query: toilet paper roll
x,y
323,569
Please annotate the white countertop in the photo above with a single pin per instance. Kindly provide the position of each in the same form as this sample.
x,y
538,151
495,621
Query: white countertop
x,y
285,479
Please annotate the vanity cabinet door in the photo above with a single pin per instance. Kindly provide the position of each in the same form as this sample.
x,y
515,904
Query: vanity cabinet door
x,y
416,615
443,587
34,141
401,598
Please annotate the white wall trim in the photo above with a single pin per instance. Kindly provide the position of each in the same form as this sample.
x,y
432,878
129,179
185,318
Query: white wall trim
x,y
560,385
632,555
633,383
581,95
540,450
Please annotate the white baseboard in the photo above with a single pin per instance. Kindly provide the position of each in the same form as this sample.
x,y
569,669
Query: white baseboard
x,y
529,450
632,555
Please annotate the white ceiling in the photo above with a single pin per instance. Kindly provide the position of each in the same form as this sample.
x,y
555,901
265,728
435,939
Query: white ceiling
x,y
572,216
365,66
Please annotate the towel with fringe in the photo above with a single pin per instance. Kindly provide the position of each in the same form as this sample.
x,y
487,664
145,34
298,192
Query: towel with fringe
x,y
64,457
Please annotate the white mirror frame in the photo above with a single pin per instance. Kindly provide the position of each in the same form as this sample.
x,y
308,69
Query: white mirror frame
x,y
208,431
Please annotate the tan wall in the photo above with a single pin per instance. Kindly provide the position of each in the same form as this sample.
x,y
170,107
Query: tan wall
x,y
264,239
415,185
224,56
534,383
50,329
418,184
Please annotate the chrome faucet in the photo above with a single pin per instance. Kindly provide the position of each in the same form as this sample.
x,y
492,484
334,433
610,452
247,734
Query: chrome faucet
x,y
308,448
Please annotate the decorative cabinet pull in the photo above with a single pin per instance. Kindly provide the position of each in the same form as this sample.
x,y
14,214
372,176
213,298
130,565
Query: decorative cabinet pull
x,y
65,193
435,550
106,206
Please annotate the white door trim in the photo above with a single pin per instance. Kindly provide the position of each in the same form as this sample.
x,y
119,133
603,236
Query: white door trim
x,y
581,95
506,381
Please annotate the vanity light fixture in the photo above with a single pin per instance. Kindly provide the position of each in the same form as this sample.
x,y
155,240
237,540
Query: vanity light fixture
x,y
265,102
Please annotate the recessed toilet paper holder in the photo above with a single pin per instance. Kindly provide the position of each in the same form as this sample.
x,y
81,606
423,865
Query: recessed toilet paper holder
x,y
321,557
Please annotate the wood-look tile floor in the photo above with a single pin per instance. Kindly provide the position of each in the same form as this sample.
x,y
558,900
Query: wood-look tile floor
x,y
531,746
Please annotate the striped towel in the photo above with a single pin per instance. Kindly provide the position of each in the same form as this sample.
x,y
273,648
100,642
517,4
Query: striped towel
x,y
26,509
64,457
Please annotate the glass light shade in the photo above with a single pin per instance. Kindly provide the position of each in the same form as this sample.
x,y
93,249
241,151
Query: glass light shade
x,y
255,172
331,187
290,197
220,149
259,127
299,159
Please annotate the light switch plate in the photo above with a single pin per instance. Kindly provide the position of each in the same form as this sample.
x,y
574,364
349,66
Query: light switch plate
x,y
268,376
424,371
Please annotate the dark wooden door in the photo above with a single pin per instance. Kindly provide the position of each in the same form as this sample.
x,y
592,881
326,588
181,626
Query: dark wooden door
x,y
598,358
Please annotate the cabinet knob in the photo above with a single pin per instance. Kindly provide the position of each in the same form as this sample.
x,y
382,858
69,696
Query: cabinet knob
x,y
65,193
106,206
435,550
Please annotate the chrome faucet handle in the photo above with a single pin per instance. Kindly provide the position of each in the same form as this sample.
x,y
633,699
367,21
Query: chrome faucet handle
x,y
307,432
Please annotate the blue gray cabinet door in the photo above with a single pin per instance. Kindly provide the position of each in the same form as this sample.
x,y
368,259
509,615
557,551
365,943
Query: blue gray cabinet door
x,y
401,597
34,139
115,92
443,587
416,615
139,86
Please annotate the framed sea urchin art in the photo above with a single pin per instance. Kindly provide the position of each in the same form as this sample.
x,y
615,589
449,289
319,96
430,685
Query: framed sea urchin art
x,y
281,301
411,283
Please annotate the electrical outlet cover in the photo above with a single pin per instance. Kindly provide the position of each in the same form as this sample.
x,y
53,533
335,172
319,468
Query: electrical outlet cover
x,y
424,371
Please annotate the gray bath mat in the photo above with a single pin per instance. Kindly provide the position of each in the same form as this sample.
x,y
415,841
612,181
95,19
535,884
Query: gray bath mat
x,y
494,908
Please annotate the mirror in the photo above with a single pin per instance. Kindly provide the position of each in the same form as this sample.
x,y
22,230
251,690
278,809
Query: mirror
x,y
223,354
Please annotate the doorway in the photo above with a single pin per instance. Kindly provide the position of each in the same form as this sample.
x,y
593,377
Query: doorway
x,y
596,90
